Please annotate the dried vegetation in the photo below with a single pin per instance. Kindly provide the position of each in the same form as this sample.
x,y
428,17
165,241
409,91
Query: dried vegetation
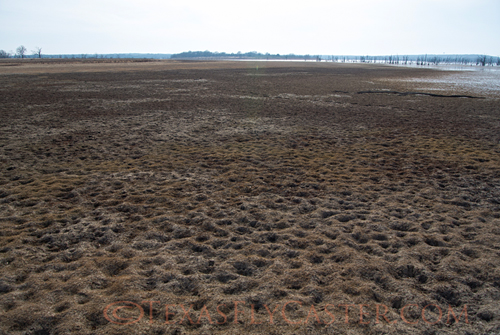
x,y
209,183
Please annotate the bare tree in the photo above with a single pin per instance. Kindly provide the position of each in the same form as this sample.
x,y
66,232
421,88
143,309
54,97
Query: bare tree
x,y
4,54
481,60
21,51
37,52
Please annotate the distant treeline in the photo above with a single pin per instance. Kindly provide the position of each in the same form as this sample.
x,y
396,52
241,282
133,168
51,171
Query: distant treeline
x,y
421,60
240,55
4,54
390,59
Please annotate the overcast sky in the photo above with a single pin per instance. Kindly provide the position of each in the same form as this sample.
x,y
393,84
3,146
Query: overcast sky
x,y
349,27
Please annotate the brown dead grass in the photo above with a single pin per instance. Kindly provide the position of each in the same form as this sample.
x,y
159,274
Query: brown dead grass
x,y
208,183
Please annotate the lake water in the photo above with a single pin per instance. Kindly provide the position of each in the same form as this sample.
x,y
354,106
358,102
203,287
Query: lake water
x,y
478,79
462,79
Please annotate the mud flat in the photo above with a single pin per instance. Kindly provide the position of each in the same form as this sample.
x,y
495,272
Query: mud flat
x,y
262,198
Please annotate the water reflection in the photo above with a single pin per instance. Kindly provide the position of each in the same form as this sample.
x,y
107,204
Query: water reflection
x,y
477,79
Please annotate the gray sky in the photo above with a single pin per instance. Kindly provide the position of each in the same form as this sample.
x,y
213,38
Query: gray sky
x,y
348,27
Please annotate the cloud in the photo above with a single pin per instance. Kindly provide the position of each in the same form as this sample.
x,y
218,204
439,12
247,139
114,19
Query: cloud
x,y
319,27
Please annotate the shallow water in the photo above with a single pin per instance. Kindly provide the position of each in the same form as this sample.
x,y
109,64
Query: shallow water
x,y
479,80
455,79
